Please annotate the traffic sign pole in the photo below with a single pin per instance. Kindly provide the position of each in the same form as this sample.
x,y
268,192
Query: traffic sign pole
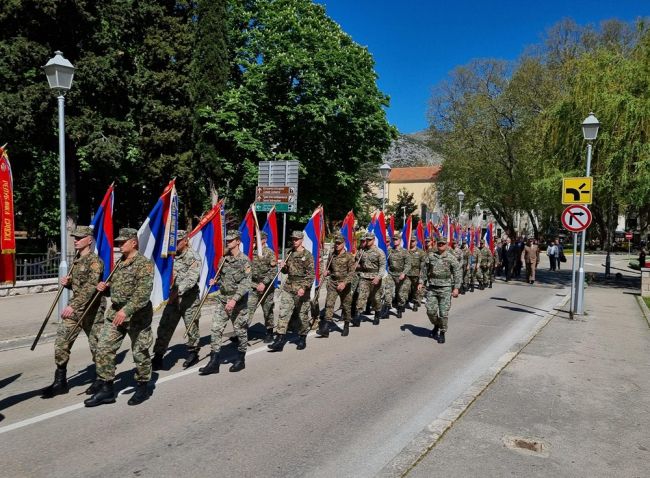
x,y
572,307
580,301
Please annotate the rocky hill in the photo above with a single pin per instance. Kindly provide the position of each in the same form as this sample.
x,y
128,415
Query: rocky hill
x,y
412,150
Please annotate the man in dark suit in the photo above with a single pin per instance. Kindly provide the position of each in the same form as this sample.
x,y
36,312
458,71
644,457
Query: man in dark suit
x,y
509,257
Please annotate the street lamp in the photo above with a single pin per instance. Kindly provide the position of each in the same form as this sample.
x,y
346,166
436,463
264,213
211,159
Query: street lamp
x,y
589,131
461,196
384,170
59,73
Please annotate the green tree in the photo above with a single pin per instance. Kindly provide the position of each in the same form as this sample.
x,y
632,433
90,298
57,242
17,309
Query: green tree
x,y
405,205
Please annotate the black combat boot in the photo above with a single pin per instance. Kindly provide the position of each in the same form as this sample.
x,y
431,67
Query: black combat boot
x,y
434,333
324,330
302,342
59,386
157,362
346,329
481,287
415,307
385,311
356,321
239,363
94,387
105,395
400,311
268,338
471,287
278,345
212,366
367,311
141,394
441,337
377,317
462,289
192,358
490,285
234,339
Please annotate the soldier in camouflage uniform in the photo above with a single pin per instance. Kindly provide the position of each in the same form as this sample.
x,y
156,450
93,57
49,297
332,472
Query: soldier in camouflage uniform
x,y
339,274
470,277
464,265
294,294
372,267
231,304
130,313
183,302
417,256
483,265
265,268
83,279
355,282
441,276
399,267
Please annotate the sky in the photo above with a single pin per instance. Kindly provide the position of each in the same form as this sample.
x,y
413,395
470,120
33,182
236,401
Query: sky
x,y
416,43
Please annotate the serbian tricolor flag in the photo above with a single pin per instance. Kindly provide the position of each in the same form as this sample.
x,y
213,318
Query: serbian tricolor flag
x,y
489,237
157,241
471,239
271,229
421,235
407,230
428,232
477,236
391,229
102,224
347,231
313,241
249,233
7,231
207,240
379,229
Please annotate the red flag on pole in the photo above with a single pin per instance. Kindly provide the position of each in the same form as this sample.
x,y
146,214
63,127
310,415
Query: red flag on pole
x,y
7,231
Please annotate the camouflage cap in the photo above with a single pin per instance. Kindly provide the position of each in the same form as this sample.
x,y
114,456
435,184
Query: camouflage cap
x,y
297,235
232,235
126,233
414,237
82,231
338,238
441,239
370,236
264,235
181,234
397,236
482,241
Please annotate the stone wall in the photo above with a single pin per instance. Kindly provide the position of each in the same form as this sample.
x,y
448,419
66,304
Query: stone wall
x,y
30,287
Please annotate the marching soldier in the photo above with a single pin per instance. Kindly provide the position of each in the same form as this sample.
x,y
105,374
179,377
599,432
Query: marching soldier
x,y
417,256
130,313
339,275
294,294
265,268
372,267
470,277
399,267
87,272
231,305
441,276
183,302
483,265
355,281
464,265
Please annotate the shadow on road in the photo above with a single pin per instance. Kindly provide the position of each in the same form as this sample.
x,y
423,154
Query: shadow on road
x,y
416,330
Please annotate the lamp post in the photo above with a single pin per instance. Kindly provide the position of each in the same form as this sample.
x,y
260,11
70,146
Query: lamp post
x,y
384,170
461,196
59,73
590,131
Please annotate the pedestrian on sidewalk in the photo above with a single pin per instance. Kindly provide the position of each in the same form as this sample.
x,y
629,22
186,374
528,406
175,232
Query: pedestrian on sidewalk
x,y
530,257
551,252
642,257
509,257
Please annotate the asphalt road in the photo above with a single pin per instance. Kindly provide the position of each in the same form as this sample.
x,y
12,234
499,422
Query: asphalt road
x,y
343,407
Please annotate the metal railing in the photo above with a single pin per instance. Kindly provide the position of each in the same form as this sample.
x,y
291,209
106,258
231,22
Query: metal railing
x,y
38,265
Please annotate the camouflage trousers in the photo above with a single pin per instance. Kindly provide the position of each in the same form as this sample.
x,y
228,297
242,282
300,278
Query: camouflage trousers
x,y
415,294
92,326
483,275
469,277
267,305
354,292
346,301
368,290
187,308
397,289
290,303
438,305
239,318
138,329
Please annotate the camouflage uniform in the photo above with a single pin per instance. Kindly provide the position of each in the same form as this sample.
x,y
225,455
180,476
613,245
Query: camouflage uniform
x,y
187,270
87,273
355,285
300,275
399,262
470,276
417,258
440,273
130,290
341,269
371,266
264,268
484,260
234,283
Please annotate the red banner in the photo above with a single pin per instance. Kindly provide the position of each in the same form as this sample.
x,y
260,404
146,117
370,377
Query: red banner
x,y
7,232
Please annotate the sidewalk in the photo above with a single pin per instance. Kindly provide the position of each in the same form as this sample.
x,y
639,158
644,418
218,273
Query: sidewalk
x,y
574,403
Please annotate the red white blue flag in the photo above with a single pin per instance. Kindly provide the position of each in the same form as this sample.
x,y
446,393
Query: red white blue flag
x,y
102,225
207,240
378,224
391,228
249,233
347,231
313,241
271,229
407,230
489,237
420,234
157,240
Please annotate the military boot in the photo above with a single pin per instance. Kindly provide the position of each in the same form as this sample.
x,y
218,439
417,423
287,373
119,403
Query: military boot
x,y
141,394
268,338
356,321
400,311
385,311
481,286
490,285
212,366
192,358
239,363
377,317
94,387
157,362
367,311
441,337
302,342
59,386
324,330
105,395
462,289
415,307
346,329
278,345
434,332
471,287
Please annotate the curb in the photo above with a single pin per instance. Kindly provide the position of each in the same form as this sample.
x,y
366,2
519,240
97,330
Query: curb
x,y
424,441
644,309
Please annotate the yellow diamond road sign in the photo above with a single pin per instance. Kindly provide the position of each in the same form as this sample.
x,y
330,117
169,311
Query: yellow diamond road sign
x,y
577,190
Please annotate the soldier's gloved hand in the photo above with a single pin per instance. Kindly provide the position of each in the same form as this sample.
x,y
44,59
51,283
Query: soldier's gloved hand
x,y
230,305
260,287
102,286
454,293
64,280
119,318
301,292
212,282
67,312
376,281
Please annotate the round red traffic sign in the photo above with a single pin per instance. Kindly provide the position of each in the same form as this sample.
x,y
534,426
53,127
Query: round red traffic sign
x,y
576,218
628,235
